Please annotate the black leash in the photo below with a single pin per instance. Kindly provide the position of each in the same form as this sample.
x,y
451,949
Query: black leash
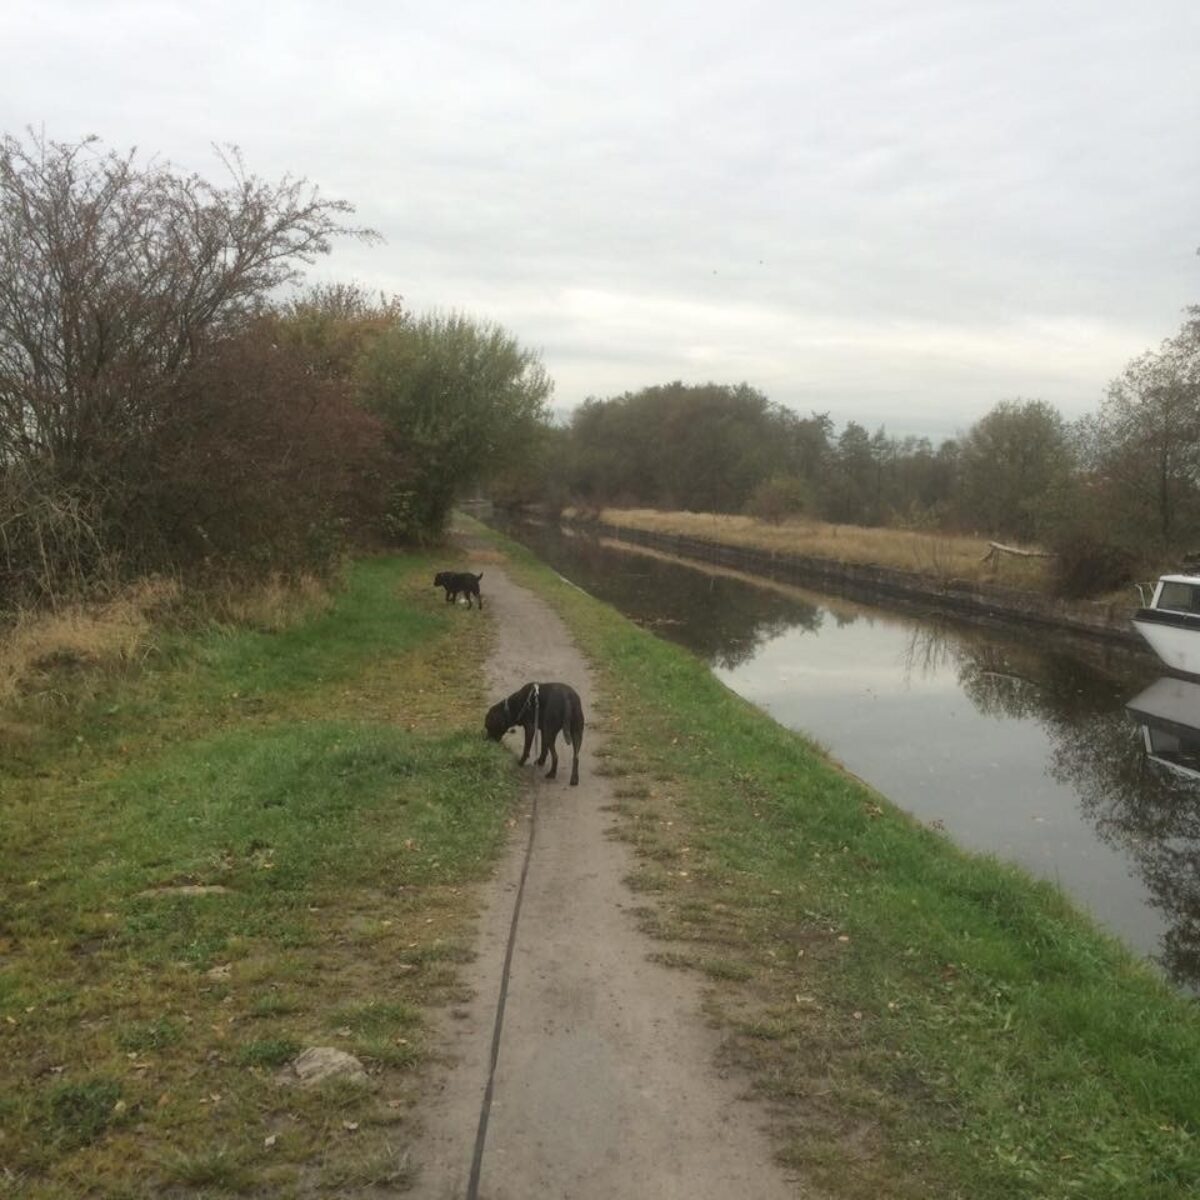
x,y
486,1110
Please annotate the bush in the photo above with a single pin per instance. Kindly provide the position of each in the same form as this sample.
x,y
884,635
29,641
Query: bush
x,y
144,282
1086,565
779,497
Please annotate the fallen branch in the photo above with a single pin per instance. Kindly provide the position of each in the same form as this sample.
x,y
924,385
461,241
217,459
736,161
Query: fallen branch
x,y
996,549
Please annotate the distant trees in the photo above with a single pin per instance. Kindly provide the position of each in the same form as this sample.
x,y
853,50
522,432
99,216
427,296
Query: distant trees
x,y
695,446
1104,494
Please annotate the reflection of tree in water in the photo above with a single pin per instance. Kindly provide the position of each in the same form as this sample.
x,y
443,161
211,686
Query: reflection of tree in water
x,y
723,620
1150,812
1147,811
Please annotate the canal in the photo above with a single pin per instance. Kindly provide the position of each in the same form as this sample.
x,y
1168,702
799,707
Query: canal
x,y
1018,744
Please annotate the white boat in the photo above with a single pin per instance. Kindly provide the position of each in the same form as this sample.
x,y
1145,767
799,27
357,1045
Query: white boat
x,y
1171,622
1169,714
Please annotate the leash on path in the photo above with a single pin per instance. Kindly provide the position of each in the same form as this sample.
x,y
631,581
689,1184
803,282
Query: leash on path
x,y
485,1111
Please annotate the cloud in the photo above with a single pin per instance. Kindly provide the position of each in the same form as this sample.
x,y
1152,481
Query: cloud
x,y
900,213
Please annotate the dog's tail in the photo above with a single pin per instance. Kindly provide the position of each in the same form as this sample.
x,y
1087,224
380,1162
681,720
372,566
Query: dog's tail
x,y
575,720
479,577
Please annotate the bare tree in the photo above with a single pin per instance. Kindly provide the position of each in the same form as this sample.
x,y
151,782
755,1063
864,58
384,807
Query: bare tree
x,y
114,274
118,278
1145,441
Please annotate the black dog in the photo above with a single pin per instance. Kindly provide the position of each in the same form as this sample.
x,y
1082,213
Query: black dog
x,y
459,581
546,707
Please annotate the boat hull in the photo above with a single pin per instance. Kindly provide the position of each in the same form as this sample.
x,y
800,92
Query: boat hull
x,y
1174,637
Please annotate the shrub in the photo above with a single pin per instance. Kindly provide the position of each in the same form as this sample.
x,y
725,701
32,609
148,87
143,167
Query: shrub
x,y
779,497
1087,565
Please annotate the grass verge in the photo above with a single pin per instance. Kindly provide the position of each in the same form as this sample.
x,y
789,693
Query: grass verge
x,y
257,843
939,556
923,1022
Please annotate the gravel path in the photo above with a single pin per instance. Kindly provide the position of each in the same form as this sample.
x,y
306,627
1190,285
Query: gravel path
x,y
605,1085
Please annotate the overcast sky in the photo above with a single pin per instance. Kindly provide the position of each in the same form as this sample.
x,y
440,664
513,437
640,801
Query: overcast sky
x,y
896,212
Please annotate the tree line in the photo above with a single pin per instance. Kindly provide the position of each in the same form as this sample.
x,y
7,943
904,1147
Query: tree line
x,y
163,410
1112,494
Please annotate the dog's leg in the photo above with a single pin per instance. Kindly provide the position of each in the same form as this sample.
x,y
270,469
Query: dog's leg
x,y
528,743
576,736
550,740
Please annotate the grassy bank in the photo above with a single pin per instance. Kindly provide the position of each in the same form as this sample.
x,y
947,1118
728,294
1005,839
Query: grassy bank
x,y
924,1022
253,843
937,555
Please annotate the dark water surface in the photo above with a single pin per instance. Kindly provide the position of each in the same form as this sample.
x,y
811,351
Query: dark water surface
x,y
1018,744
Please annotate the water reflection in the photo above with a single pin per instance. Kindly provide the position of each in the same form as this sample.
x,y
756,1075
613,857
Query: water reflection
x,y
1019,745
1135,768
716,616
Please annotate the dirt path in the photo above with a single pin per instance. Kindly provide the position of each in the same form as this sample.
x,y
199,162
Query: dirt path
x,y
605,1084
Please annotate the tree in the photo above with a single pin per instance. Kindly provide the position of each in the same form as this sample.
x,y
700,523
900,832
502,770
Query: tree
x,y
850,483
1145,443
120,280
331,325
461,399
1010,463
114,276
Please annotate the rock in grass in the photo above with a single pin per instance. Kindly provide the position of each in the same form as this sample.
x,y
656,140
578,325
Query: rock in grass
x,y
318,1063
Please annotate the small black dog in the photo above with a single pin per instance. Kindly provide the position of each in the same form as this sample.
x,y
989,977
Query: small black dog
x,y
459,581
546,707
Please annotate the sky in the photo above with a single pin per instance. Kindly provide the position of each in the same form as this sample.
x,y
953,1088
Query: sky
x,y
899,213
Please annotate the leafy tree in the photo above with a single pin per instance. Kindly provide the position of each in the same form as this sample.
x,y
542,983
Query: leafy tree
x,y
1010,463
850,484
461,399
695,446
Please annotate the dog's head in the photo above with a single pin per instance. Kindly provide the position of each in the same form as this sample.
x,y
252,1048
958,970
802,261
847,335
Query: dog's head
x,y
439,580
496,724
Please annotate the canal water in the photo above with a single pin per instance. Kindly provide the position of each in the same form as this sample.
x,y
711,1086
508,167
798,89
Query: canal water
x,y
1020,745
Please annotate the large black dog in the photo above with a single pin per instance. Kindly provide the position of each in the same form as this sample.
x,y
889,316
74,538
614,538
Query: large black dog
x,y
546,707
459,581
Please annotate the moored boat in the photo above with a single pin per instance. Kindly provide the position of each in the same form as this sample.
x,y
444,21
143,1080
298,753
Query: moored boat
x,y
1171,622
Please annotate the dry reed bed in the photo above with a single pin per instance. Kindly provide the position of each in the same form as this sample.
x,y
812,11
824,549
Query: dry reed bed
x,y
941,556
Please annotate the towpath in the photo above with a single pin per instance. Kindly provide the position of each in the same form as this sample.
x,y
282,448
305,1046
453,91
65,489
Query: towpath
x,y
605,1083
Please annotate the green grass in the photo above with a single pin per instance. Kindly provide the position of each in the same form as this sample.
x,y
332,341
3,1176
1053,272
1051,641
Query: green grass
x,y
926,1022
257,844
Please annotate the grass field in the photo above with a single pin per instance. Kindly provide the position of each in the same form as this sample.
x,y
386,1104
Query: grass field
x,y
252,843
924,1022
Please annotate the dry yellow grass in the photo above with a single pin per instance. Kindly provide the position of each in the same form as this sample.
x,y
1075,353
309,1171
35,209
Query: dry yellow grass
x,y
109,634
941,556
116,633
273,605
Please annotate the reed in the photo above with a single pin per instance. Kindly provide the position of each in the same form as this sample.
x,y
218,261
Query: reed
x,y
940,556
